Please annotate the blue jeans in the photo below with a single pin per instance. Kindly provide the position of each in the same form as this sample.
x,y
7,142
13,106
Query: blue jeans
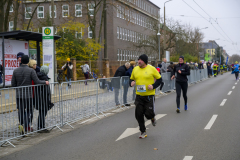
x,y
69,80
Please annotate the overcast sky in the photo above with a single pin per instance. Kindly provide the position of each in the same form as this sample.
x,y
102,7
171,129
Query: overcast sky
x,y
224,12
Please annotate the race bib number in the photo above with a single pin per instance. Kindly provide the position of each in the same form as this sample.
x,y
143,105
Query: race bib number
x,y
141,88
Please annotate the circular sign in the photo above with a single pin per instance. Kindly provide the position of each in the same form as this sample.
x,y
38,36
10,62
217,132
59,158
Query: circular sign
x,y
47,31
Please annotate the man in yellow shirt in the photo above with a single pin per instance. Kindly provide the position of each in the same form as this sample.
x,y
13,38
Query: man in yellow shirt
x,y
143,76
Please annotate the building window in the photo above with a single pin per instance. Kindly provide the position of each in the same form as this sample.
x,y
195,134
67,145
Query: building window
x,y
55,11
126,34
10,26
40,12
78,10
121,54
117,11
78,34
118,55
89,32
91,8
123,13
120,33
65,11
117,32
11,8
28,12
120,12
128,38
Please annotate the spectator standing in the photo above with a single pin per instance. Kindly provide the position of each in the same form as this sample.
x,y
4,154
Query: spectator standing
x,y
86,70
200,65
116,81
23,76
68,71
204,65
164,66
44,104
126,83
19,58
209,70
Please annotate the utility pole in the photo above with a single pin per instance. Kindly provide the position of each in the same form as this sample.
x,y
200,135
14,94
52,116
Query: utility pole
x,y
52,14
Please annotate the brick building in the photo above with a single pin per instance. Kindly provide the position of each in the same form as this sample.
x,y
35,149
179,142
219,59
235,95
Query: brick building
x,y
129,23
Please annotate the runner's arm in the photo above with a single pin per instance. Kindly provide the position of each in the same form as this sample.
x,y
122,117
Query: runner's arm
x,y
157,83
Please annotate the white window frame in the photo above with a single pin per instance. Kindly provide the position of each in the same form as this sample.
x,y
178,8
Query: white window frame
x,y
11,8
76,34
121,55
117,11
89,32
124,52
10,28
120,11
65,11
118,54
78,10
40,12
120,31
91,9
123,35
29,13
123,13
128,35
55,11
117,32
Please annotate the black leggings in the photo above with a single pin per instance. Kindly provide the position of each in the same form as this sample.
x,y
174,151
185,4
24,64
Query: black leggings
x,y
161,85
236,74
181,86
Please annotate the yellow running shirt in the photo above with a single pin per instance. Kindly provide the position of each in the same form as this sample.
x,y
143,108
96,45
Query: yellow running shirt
x,y
144,77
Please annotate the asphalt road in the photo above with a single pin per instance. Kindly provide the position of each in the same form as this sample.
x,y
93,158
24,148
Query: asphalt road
x,y
176,136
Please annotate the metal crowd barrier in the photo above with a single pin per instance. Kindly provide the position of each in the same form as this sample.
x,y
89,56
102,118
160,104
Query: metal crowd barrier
x,y
70,102
29,109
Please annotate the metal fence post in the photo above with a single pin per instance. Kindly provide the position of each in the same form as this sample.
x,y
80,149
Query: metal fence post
x,y
97,98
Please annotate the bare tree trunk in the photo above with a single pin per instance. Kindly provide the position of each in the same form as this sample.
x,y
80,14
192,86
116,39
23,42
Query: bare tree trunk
x,y
16,8
32,16
7,15
2,3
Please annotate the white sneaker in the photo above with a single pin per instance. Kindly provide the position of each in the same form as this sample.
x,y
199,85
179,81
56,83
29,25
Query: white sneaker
x,y
143,135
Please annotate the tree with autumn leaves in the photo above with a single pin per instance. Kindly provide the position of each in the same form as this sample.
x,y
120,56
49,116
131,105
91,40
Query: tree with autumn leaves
x,y
72,45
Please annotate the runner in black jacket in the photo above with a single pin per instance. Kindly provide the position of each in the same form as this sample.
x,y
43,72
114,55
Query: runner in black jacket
x,y
181,81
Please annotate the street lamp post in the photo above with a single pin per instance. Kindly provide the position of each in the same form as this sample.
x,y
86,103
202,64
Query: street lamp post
x,y
158,34
164,27
198,45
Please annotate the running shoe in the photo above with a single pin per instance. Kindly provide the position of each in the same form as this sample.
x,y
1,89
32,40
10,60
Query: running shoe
x,y
178,110
143,135
185,107
154,122
21,129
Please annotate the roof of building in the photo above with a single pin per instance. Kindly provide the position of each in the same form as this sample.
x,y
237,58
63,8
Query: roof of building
x,y
25,35
153,4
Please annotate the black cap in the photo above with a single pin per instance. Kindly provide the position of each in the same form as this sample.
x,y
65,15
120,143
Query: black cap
x,y
20,54
25,59
144,58
181,57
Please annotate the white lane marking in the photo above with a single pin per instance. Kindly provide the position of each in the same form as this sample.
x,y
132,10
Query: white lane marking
x,y
210,123
223,102
188,157
235,83
229,93
132,131
233,87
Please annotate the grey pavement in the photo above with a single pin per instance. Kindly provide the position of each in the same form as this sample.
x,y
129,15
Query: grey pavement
x,y
175,136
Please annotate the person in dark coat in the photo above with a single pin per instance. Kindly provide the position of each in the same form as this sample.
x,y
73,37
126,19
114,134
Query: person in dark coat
x,y
19,58
116,80
126,82
23,76
209,70
43,99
